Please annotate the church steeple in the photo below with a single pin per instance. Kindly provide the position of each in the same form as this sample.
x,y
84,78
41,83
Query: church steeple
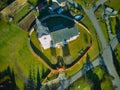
x,y
41,29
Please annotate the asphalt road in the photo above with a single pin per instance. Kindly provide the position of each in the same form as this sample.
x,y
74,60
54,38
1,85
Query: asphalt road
x,y
107,49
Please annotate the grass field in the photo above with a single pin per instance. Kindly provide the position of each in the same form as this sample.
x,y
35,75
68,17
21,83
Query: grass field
x,y
34,2
94,79
114,4
86,3
117,58
117,53
113,25
15,52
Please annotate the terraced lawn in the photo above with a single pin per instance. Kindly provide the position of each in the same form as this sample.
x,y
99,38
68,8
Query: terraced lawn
x,y
21,12
15,53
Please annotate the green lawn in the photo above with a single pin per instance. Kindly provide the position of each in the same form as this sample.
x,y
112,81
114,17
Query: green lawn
x,y
34,2
113,24
86,3
114,4
93,80
15,52
99,12
104,30
117,53
21,12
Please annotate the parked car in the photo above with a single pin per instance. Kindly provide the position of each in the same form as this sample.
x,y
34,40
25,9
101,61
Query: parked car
x,y
78,17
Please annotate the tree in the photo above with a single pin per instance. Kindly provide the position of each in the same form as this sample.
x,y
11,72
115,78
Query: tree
x,y
49,2
38,80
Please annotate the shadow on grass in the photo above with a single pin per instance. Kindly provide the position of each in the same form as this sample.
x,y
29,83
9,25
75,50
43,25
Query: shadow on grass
x,y
88,62
30,82
66,51
86,38
91,75
115,61
94,79
60,62
117,28
8,83
34,79
41,55
53,51
88,65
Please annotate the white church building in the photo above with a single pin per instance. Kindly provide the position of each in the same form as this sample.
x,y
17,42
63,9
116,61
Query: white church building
x,y
54,39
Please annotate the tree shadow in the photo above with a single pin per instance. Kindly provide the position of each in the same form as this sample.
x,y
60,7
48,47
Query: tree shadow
x,y
66,51
117,28
86,38
45,73
34,79
38,80
115,62
8,83
91,75
53,49
94,79
88,62
30,82
60,62
88,66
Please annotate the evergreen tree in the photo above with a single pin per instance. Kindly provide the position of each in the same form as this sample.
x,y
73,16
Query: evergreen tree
x,y
38,80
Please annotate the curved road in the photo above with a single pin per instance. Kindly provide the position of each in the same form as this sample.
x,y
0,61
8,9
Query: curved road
x,y
107,53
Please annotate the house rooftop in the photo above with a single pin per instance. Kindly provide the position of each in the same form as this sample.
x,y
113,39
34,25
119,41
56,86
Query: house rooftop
x,y
54,6
60,1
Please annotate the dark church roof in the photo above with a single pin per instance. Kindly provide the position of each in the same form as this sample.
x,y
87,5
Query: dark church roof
x,y
64,34
41,29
